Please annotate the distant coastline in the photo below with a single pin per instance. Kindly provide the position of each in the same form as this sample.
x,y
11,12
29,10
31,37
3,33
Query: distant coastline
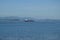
x,y
28,19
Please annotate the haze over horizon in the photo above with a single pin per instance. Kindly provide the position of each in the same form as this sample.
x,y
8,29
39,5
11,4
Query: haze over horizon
x,y
44,9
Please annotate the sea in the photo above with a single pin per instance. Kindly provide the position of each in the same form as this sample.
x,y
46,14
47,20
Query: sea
x,y
30,31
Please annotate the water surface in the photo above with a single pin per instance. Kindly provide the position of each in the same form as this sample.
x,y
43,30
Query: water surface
x,y
30,31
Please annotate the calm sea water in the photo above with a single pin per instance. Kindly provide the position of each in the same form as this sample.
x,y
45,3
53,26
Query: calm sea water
x,y
30,31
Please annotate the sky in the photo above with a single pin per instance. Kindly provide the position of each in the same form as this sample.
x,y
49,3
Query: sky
x,y
44,9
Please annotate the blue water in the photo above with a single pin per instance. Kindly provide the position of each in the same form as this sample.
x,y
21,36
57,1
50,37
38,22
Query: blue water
x,y
30,31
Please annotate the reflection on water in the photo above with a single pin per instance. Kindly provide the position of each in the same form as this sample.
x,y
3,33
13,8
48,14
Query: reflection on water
x,y
30,31
41,36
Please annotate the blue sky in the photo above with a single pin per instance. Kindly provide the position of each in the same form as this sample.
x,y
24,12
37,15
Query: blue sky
x,y
46,9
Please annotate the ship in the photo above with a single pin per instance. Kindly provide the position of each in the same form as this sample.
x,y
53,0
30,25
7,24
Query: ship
x,y
28,20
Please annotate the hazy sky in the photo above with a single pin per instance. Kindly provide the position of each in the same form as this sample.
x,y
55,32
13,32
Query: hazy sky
x,y
31,8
